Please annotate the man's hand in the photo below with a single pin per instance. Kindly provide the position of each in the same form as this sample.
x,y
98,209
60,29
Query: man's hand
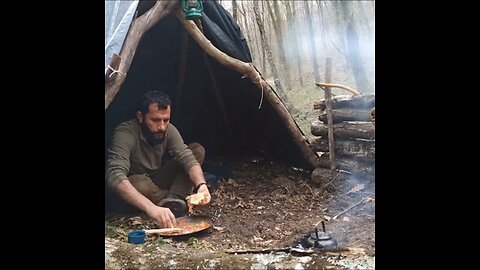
x,y
207,197
162,216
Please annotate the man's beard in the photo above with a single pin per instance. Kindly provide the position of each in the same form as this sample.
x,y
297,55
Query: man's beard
x,y
152,138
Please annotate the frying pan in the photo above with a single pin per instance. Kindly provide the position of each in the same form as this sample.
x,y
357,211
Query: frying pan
x,y
185,225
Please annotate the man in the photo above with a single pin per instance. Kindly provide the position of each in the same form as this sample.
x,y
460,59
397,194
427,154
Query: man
x,y
135,169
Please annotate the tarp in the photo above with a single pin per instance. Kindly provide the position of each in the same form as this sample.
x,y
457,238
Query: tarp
x,y
118,17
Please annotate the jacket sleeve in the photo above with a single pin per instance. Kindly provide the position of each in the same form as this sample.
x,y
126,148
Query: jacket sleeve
x,y
118,162
179,150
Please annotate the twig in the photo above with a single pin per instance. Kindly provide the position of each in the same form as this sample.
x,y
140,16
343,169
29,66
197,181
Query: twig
x,y
346,210
267,250
349,89
287,249
332,179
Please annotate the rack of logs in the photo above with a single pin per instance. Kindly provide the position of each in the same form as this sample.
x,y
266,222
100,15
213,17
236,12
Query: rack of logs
x,y
353,118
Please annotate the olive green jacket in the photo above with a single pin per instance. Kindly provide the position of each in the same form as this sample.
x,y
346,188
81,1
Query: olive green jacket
x,y
130,153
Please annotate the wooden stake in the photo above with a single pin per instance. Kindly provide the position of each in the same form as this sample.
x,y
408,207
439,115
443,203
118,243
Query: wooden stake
x,y
329,105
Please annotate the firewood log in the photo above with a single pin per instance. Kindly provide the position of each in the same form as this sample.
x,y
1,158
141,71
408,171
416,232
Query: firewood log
x,y
345,130
346,148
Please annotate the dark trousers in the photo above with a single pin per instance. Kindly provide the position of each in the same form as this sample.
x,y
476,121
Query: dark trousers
x,y
169,179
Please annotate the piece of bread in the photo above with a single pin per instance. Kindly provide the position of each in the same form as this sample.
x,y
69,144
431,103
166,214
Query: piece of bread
x,y
195,199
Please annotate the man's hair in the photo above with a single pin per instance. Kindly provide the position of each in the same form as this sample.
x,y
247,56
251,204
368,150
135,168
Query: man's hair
x,y
150,97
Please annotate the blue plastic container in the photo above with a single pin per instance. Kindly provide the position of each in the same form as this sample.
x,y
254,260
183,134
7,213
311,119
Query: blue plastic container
x,y
136,237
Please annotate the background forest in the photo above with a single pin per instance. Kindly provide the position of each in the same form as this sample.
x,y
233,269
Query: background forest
x,y
290,40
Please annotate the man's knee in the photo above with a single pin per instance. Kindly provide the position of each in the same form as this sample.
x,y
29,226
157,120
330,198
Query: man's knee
x,y
198,151
143,184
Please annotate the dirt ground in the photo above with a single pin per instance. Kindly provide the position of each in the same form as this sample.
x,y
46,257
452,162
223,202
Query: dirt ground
x,y
265,205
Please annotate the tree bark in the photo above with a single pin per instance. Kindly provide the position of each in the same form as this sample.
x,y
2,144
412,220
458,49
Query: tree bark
x,y
234,9
277,26
248,70
351,130
324,26
346,148
344,115
296,48
265,44
312,47
354,58
138,28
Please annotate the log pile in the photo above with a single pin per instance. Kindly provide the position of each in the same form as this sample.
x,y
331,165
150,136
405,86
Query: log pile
x,y
354,134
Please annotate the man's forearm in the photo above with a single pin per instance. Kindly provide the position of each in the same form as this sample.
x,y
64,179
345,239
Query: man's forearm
x,y
130,194
196,175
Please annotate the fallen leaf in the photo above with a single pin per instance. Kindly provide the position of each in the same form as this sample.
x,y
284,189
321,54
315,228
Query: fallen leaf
x,y
327,218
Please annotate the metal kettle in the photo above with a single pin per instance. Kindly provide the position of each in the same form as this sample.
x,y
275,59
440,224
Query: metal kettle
x,y
321,239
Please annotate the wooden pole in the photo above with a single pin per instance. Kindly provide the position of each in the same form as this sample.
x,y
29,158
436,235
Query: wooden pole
x,y
329,105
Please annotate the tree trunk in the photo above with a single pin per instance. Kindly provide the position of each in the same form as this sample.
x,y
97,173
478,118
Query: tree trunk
x,y
339,27
265,44
277,26
324,26
312,47
364,19
297,55
249,71
354,58
138,28
351,130
347,148
234,9
344,115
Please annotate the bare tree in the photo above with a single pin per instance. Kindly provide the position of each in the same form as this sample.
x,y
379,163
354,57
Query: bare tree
x,y
297,55
266,45
353,56
234,9
323,27
277,26
312,47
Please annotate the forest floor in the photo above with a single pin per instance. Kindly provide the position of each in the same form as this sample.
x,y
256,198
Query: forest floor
x,y
261,206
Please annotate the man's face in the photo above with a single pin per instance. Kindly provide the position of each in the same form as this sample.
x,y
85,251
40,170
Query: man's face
x,y
154,123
